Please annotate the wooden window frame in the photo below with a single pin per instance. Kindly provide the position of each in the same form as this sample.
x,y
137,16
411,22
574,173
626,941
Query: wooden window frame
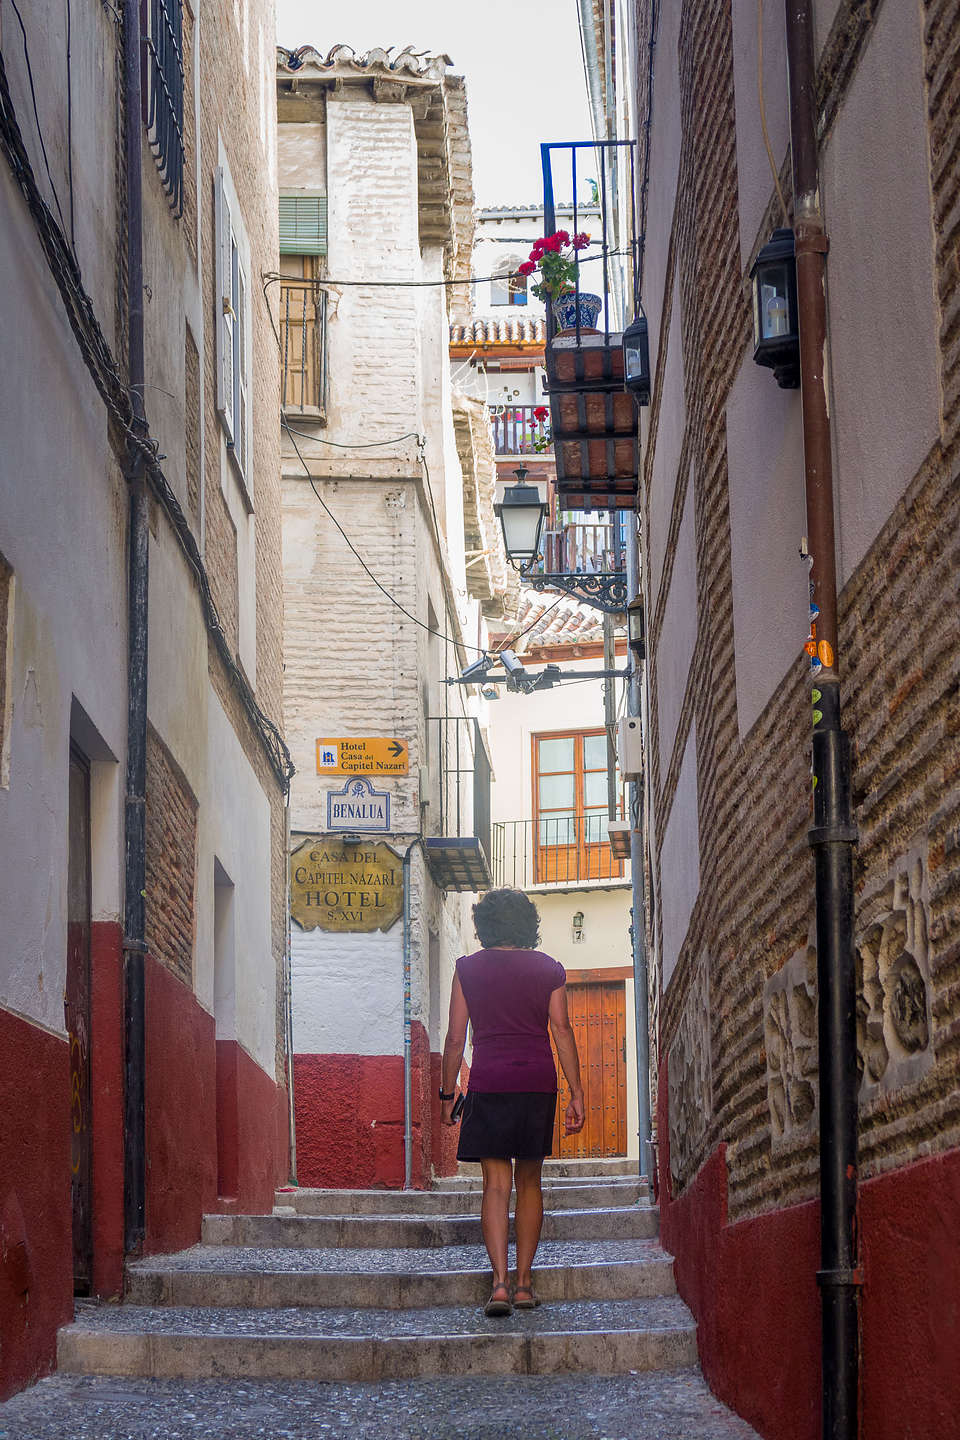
x,y
593,859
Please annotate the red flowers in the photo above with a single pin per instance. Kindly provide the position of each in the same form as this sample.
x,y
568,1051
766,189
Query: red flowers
x,y
558,267
540,413
581,240
527,268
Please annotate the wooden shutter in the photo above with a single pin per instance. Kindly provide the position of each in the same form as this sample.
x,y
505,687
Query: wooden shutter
x,y
241,379
225,307
303,224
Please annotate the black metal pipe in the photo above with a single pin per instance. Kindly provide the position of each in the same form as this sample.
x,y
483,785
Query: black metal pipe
x,y
134,908
833,835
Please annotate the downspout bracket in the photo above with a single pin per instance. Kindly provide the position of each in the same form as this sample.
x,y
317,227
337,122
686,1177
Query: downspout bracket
x,y
840,1279
833,835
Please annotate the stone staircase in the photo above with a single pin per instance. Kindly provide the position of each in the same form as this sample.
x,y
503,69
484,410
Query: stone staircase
x,y
374,1285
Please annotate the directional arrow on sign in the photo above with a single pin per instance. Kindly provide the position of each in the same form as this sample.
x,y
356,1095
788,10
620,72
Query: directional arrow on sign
x,y
396,748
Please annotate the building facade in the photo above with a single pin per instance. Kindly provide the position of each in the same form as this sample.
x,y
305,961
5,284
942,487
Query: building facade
x,y
392,566
729,743
214,1130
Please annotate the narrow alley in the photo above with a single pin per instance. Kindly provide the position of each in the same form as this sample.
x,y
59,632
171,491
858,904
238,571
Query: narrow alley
x,y
358,1313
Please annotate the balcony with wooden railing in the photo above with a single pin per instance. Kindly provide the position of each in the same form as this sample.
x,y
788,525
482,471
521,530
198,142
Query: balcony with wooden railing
x,y
584,556
516,430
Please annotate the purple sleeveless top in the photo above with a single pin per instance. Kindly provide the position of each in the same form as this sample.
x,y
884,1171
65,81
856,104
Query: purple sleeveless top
x,y
508,997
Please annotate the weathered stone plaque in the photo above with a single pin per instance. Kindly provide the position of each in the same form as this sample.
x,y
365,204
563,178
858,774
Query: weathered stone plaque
x,y
345,886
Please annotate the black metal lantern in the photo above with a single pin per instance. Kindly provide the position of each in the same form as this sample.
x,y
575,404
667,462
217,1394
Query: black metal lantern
x,y
521,513
776,331
636,360
636,627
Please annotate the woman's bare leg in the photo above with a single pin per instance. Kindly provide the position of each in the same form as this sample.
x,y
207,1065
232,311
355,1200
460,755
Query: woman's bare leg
x,y
495,1214
528,1219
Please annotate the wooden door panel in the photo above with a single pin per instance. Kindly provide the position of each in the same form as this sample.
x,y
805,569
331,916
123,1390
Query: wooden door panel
x,y
598,1017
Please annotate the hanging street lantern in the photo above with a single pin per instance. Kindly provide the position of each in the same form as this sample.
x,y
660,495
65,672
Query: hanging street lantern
x,y
521,513
776,330
636,627
636,360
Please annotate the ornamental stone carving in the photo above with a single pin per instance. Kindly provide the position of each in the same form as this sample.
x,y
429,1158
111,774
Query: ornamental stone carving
x,y
893,975
790,1037
689,1069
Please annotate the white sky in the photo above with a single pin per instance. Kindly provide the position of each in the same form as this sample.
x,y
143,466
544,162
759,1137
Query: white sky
x,y
521,59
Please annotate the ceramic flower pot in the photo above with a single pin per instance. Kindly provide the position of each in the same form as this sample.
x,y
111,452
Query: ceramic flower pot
x,y
565,312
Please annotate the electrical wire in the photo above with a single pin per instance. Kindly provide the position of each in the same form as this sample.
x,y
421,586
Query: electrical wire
x,y
142,448
763,115
440,634
358,445
272,277
36,112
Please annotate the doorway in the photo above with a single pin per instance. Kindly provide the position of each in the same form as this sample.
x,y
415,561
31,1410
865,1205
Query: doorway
x,y
76,1012
597,1011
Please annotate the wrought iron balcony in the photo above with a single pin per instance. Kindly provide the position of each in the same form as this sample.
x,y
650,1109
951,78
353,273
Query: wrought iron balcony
x,y
586,559
565,851
455,789
515,429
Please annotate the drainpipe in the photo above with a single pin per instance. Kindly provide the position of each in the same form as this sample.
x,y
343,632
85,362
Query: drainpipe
x,y
288,1004
638,922
833,835
134,907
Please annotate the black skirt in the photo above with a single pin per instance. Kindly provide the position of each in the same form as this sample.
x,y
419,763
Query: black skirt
x,y
514,1125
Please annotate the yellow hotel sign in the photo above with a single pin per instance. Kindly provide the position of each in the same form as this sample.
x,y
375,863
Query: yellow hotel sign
x,y
345,887
368,755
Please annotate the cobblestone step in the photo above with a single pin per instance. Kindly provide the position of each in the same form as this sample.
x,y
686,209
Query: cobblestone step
x,y
635,1222
654,1405
561,1195
234,1276
609,1337
591,1165
463,1184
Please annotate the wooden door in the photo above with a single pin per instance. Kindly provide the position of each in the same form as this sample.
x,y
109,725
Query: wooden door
x,y
76,1005
598,1015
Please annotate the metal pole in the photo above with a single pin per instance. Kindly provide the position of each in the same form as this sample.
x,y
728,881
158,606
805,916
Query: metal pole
x,y
288,1008
833,835
407,1021
638,928
134,909
610,714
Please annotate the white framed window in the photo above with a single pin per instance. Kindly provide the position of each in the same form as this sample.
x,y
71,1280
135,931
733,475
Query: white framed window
x,y
234,345
507,287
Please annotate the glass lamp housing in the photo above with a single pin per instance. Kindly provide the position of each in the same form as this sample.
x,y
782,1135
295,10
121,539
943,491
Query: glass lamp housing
x,y
521,513
776,330
636,360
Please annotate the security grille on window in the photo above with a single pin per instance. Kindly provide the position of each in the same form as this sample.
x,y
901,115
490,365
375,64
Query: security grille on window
x,y
233,327
162,22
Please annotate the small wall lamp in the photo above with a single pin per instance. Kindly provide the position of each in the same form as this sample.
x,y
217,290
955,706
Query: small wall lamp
x,y
776,328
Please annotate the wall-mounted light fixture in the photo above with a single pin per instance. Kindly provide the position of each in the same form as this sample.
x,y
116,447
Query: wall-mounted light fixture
x,y
776,330
521,513
636,360
636,627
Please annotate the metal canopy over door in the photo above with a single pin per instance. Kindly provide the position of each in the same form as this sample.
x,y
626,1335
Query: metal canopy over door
x,y
598,1015
76,1006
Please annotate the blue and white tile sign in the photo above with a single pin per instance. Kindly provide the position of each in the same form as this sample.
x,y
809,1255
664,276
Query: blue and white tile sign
x,y
358,807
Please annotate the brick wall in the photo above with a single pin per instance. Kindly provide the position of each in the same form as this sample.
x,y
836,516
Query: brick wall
x,y
753,918
171,845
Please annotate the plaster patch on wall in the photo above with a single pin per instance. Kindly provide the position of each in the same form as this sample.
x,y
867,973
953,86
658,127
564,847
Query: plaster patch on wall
x,y
894,1022
690,1072
790,1039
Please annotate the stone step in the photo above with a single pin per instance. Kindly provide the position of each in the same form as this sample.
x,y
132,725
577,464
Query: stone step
x,y
634,1222
236,1276
349,1345
656,1405
563,1195
590,1165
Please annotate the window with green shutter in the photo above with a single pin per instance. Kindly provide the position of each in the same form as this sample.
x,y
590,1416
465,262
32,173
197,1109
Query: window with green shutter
x,y
303,223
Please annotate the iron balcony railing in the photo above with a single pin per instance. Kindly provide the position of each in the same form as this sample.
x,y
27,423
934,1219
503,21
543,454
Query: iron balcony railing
x,y
566,850
581,548
458,779
516,429
303,348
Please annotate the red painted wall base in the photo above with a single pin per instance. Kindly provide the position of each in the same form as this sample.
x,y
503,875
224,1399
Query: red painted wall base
x,y
36,1246
349,1116
752,1288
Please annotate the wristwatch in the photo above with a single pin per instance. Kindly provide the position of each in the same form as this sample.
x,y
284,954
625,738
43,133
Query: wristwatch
x,y
444,1095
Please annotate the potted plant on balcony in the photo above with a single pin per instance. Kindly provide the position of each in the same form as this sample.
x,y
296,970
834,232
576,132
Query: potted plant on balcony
x,y
555,257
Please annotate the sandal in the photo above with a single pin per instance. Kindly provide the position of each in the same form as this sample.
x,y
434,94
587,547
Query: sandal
x,y
502,1306
529,1304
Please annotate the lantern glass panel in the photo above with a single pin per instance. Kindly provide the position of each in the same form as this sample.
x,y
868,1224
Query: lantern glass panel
x,y
771,303
633,363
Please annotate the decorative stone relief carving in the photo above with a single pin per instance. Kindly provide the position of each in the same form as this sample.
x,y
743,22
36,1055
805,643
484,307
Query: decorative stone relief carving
x,y
689,1069
790,1036
893,979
